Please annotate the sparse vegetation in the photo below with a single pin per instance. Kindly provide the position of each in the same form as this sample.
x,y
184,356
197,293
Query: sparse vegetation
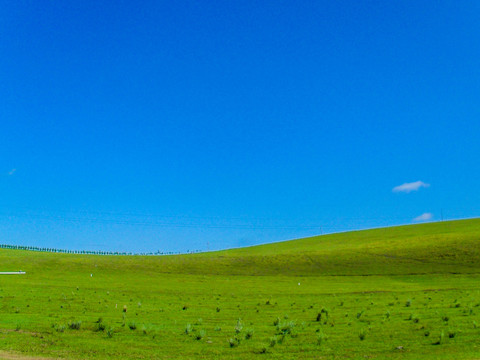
x,y
110,332
273,341
321,338
441,339
233,342
285,327
200,335
101,326
58,305
75,325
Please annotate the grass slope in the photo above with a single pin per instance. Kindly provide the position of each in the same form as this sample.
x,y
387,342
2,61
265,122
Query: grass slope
x,y
422,289
434,248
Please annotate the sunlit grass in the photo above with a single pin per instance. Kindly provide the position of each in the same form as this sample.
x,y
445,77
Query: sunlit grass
x,y
407,292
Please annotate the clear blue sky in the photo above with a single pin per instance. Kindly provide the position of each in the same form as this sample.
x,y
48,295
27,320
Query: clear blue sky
x,y
180,125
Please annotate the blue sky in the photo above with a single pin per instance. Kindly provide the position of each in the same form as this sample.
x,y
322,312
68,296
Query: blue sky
x,y
139,126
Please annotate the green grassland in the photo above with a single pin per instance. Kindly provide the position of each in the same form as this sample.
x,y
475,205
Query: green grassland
x,y
410,292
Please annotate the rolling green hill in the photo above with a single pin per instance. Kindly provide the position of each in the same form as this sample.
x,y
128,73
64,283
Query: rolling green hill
x,y
434,248
405,292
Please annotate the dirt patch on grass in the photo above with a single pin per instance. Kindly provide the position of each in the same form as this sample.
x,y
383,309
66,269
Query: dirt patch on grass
x,y
5,355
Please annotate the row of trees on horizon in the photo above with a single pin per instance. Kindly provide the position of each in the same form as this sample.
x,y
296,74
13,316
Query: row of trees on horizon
x,y
89,252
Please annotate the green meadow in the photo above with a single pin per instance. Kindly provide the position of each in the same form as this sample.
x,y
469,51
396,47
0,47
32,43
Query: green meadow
x,y
409,292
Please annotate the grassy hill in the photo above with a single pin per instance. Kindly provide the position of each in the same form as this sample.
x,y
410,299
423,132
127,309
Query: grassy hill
x,y
401,292
434,248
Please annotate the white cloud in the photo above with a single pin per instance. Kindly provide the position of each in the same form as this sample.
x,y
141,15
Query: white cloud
x,y
408,187
424,217
11,172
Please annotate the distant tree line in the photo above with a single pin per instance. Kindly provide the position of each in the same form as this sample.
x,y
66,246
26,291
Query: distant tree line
x,y
87,252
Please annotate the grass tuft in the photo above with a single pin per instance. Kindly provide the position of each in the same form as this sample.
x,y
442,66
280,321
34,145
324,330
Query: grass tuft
x,y
321,338
248,333
75,325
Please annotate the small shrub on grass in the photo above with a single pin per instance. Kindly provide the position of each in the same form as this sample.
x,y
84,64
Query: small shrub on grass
x,y
200,335
60,328
451,334
238,327
248,334
324,311
273,341
100,327
263,350
361,335
276,321
188,329
408,303
321,338
445,318
74,325
441,340
110,332
132,325
285,327
233,342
